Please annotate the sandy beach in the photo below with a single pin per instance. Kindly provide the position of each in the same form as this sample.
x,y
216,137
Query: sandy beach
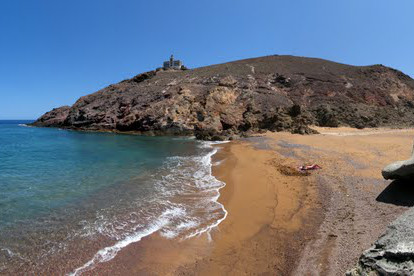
x,y
207,138
280,221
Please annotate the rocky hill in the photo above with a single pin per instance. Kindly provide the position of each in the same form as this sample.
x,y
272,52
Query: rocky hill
x,y
267,93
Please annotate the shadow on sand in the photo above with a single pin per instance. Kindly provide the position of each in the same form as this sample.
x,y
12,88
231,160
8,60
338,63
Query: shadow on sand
x,y
399,192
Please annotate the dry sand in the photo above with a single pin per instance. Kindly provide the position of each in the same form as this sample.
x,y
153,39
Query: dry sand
x,y
281,222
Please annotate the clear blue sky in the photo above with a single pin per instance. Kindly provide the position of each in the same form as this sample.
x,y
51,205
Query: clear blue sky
x,y
52,52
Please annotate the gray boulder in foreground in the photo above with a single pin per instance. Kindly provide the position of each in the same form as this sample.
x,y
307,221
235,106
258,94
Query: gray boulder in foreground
x,y
393,253
400,169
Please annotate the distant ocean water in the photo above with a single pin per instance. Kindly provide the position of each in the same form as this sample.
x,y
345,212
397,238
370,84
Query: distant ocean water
x,y
70,200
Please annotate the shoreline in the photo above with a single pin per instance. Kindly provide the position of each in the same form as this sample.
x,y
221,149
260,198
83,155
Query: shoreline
x,y
281,222
265,219
252,224
138,256
106,254
208,184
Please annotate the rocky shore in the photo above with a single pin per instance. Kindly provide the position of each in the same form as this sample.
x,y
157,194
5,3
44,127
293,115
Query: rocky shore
x,y
277,93
392,253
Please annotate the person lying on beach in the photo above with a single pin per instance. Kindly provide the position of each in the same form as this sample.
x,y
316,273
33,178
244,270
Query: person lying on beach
x,y
310,167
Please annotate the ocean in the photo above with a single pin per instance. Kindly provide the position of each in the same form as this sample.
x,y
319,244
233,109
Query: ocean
x,y
70,200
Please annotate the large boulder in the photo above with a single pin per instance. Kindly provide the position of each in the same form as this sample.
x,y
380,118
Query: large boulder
x,y
400,169
393,253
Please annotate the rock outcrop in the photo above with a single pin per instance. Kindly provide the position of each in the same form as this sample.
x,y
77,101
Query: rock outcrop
x,y
393,253
269,93
54,118
400,169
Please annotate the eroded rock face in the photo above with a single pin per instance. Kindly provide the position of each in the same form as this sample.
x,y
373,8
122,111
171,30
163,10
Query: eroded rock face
x,y
393,253
53,118
247,96
400,169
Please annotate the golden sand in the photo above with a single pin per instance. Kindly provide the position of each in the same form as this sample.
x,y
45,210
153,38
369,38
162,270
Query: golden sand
x,y
281,222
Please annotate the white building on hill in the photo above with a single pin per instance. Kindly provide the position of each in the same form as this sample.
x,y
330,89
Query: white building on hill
x,y
172,64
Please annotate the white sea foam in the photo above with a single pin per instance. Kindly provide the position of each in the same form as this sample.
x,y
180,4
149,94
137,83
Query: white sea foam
x,y
24,125
12,254
218,163
108,253
8,251
176,220
209,181
188,224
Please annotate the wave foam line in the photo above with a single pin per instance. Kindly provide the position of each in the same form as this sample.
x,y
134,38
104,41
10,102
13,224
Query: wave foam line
x,y
12,254
209,162
108,253
24,125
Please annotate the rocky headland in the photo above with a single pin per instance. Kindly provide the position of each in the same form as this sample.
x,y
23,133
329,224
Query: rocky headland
x,y
277,93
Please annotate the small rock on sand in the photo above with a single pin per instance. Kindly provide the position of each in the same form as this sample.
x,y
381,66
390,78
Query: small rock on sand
x,y
400,169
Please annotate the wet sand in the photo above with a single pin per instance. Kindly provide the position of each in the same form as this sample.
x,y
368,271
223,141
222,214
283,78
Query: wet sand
x,y
265,209
281,222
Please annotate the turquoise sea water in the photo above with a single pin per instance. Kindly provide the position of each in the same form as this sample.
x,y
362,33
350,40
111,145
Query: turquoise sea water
x,y
63,191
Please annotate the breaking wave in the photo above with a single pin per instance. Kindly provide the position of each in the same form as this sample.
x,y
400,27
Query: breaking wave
x,y
184,206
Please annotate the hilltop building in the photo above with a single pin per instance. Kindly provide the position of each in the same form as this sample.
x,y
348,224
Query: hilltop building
x,y
172,64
